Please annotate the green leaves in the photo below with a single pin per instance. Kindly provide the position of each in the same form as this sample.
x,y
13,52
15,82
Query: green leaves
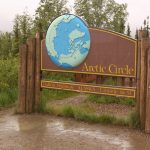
x,y
22,29
8,73
47,12
103,14
5,45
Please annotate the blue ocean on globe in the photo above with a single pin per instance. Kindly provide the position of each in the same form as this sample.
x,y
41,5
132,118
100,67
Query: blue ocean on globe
x,y
68,41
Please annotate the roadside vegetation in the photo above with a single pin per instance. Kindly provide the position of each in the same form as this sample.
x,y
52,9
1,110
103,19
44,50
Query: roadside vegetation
x,y
8,81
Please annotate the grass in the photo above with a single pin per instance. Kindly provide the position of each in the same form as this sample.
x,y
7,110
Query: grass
x,y
134,120
56,94
8,97
82,112
82,115
52,95
111,99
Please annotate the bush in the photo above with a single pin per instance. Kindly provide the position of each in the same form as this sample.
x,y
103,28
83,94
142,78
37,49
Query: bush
x,y
8,73
8,81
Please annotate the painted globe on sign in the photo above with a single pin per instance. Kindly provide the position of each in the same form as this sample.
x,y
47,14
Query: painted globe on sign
x,y
68,41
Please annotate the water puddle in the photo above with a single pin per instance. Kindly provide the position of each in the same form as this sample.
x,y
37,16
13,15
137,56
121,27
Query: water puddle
x,y
42,132
122,144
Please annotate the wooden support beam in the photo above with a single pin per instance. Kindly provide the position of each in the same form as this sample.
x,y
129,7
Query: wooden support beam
x,y
22,84
143,82
37,70
122,81
30,100
147,118
131,82
99,79
138,76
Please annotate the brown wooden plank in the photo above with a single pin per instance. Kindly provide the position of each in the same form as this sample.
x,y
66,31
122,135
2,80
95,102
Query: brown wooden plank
x,y
37,69
143,78
90,88
30,75
44,35
138,76
22,79
131,83
147,119
122,81
99,79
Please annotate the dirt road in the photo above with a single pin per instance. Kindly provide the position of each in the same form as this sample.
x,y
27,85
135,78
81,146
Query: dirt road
x,y
44,132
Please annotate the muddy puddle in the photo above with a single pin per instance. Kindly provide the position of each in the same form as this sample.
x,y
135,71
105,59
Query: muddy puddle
x,y
44,132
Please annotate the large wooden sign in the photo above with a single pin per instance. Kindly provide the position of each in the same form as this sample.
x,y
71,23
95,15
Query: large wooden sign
x,y
110,54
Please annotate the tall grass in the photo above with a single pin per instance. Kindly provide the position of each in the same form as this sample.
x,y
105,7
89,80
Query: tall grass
x,y
111,99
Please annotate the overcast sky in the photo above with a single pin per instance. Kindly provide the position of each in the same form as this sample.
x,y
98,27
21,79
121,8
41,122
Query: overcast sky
x,y
138,11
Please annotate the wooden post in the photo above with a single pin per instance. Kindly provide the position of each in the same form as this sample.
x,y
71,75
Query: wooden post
x,y
30,100
143,81
131,83
147,118
37,70
22,84
99,79
138,76
122,81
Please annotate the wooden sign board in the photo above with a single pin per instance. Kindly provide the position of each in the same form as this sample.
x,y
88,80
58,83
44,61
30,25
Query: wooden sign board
x,y
88,88
110,54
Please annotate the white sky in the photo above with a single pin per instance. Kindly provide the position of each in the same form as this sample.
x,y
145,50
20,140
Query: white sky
x,y
138,11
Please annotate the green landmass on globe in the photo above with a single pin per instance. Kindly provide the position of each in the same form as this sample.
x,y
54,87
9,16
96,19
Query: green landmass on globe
x,y
68,41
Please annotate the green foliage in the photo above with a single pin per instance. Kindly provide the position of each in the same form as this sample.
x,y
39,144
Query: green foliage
x,y
83,115
8,73
42,105
103,14
57,76
22,29
110,81
47,12
111,99
68,111
8,97
134,120
5,45
56,94
51,95
8,82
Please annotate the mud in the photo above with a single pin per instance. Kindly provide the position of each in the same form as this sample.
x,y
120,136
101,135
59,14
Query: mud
x,y
44,132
